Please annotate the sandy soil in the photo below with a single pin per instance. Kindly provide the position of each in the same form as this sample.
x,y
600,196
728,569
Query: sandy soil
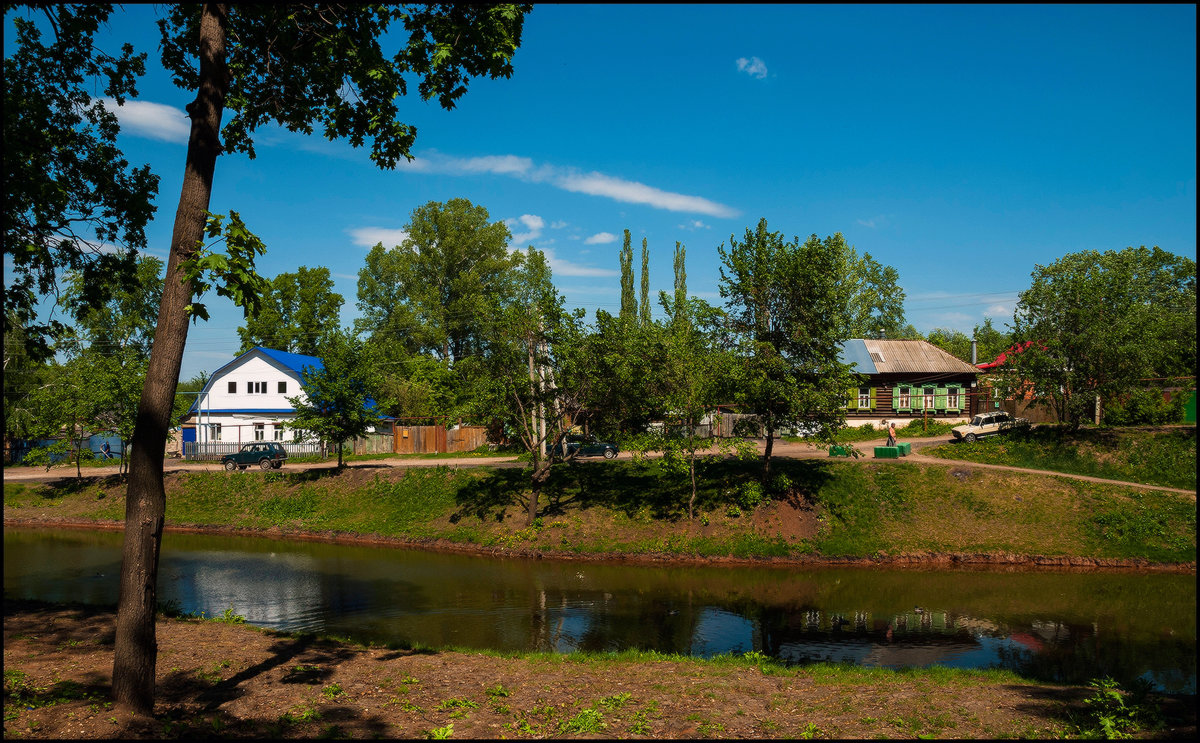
x,y
227,680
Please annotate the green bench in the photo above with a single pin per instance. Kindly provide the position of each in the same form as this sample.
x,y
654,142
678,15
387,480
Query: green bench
x,y
887,452
839,451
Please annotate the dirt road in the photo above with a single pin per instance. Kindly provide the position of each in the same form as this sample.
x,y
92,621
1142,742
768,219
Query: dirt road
x,y
786,449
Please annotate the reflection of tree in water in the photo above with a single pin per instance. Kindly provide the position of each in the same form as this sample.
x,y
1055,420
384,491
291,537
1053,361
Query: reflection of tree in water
x,y
1078,653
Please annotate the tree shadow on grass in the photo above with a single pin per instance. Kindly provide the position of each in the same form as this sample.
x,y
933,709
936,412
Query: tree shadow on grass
x,y
632,487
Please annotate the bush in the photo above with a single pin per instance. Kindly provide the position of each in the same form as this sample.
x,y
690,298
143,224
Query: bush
x,y
750,494
1145,407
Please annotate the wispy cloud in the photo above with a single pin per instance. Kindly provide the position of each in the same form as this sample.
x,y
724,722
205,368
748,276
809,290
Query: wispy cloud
x,y
167,123
874,222
559,225
153,120
694,225
999,310
532,223
564,267
601,238
632,192
754,67
369,236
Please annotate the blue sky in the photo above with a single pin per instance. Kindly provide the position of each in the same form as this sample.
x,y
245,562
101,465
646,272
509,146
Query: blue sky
x,y
962,145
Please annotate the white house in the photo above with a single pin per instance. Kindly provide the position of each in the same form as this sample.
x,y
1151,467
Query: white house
x,y
246,400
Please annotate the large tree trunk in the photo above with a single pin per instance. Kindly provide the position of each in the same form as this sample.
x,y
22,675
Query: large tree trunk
x,y
136,650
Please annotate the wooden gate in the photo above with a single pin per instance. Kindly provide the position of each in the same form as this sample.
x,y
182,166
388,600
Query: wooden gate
x,y
436,439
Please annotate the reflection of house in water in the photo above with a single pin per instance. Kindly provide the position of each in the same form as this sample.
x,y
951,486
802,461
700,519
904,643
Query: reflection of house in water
x,y
281,592
917,638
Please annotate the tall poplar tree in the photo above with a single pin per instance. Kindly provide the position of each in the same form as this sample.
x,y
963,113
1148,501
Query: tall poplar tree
x,y
628,298
644,303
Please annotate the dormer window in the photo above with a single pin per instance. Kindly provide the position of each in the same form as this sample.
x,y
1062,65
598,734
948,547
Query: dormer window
x,y
256,388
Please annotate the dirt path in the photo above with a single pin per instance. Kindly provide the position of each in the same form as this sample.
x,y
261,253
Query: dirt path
x,y
226,680
786,449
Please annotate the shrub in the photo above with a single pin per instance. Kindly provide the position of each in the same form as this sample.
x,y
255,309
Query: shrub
x,y
750,494
1145,407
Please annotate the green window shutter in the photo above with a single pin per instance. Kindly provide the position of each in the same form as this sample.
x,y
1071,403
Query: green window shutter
x,y
872,398
955,389
896,398
915,398
852,398
939,398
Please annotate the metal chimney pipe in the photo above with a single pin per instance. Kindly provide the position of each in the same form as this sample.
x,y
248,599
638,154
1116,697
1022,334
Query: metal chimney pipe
x,y
973,349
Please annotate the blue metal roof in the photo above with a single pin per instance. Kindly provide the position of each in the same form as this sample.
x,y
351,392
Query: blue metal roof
x,y
854,352
294,361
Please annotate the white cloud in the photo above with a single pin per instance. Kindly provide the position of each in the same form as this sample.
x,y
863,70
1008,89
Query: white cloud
x,y
601,238
618,189
533,225
694,225
559,225
369,236
874,222
564,267
167,123
153,120
754,67
998,310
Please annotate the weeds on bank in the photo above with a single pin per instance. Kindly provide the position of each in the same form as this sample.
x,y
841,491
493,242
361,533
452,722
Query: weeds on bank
x,y
1166,458
1113,713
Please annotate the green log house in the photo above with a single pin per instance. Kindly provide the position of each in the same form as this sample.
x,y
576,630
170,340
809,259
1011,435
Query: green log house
x,y
908,379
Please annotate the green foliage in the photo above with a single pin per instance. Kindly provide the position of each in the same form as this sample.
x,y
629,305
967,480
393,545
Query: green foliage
x,y
232,272
69,188
788,303
1099,323
441,291
338,401
1145,407
1114,714
443,733
587,720
297,313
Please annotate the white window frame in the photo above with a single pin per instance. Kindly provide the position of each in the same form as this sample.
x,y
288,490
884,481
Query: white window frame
x,y
864,398
906,397
952,398
277,431
214,431
260,431
927,397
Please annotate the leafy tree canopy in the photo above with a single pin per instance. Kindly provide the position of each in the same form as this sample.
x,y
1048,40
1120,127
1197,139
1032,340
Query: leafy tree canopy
x,y
72,200
439,291
1102,323
298,314
338,399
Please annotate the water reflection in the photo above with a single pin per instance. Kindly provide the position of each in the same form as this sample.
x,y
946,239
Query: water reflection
x,y
1068,627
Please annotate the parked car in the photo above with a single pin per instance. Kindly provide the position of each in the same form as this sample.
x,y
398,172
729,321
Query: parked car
x,y
987,424
589,446
266,454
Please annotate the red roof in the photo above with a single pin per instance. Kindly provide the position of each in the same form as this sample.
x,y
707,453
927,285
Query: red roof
x,y
1015,349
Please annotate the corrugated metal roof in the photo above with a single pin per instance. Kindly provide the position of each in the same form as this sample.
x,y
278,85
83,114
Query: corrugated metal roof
x,y
854,352
914,357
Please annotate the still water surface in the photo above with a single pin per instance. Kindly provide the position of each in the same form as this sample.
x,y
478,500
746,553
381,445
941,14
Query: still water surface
x,y
1056,626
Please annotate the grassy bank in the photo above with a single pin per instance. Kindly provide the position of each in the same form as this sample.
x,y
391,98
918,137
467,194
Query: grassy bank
x,y
823,508
227,680
1159,457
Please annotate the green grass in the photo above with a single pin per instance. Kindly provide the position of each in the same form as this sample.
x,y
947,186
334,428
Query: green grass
x,y
1165,458
626,507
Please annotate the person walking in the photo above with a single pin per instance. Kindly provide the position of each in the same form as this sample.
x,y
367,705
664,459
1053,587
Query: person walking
x,y
891,429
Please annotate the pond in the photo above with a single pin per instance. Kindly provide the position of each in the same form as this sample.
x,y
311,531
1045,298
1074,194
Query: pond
x,y
1055,626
